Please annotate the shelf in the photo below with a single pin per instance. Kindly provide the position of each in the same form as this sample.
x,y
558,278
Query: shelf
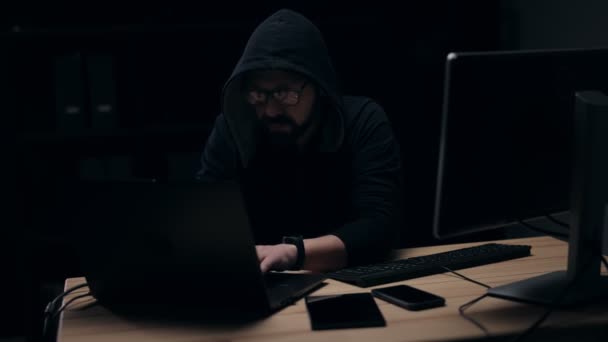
x,y
90,142
121,31
159,131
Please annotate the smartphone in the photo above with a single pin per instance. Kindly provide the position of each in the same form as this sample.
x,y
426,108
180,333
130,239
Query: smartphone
x,y
353,310
409,297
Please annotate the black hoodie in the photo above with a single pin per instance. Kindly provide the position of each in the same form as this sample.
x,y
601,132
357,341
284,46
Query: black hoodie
x,y
346,183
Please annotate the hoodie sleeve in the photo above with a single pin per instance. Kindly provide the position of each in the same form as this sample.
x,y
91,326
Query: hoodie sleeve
x,y
219,159
376,188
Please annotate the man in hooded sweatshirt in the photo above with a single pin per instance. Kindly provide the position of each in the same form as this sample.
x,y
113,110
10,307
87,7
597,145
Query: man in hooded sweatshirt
x,y
319,172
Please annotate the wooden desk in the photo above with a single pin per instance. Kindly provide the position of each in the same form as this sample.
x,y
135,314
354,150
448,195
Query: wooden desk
x,y
83,321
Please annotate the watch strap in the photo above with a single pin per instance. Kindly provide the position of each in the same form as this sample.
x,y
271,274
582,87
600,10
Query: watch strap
x,y
298,241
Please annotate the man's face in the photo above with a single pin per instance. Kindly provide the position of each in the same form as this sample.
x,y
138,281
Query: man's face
x,y
283,103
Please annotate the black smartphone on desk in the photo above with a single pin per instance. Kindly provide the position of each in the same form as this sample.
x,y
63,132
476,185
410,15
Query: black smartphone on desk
x,y
409,297
353,310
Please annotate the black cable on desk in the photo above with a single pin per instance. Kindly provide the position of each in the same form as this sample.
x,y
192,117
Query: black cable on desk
x,y
563,224
553,305
51,307
471,319
536,324
64,306
544,316
541,230
556,221
466,278
469,304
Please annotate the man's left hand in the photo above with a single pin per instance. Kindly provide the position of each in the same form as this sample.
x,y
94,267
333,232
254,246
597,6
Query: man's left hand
x,y
279,257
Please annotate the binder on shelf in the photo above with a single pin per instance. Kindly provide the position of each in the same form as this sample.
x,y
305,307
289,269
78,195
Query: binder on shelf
x,y
91,169
116,167
182,166
102,92
119,167
69,94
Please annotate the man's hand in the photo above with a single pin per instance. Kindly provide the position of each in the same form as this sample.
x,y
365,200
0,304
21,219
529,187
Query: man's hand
x,y
279,257
323,254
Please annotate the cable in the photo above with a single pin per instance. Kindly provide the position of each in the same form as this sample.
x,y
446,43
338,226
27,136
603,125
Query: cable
x,y
470,319
64,306
469,304
53,303
563,224
541,230
466,278
556,221
545,315
556,303
552,306
49,310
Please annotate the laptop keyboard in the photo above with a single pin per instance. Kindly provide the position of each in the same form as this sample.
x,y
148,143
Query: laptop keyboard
x,y
287,287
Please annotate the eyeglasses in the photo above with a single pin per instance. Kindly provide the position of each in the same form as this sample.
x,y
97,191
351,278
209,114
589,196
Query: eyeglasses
x,y
284,96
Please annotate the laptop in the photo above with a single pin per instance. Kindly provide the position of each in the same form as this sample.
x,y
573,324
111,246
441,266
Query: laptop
x,y
153,246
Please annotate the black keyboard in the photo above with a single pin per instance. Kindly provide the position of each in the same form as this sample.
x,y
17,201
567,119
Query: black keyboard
x,y
376,274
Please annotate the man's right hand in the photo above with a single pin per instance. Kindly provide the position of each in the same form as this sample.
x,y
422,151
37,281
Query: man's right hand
x,y
279,257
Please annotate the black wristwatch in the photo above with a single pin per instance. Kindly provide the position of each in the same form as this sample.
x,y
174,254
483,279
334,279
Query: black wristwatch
x,y
298,241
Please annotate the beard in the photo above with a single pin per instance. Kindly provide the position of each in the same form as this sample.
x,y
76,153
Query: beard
x,y
283,139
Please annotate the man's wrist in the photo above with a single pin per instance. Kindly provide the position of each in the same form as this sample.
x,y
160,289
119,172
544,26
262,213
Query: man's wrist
x,y
298,242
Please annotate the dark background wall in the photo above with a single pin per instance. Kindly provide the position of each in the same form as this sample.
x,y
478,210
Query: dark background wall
x,y
169,61
545,24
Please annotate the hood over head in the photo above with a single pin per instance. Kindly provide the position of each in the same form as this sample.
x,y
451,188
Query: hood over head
x,y
286,41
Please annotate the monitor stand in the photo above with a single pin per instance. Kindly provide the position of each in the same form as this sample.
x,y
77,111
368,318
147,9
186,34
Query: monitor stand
x,y
555,288
582,282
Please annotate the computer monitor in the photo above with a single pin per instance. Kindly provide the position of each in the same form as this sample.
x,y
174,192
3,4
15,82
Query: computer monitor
x,y
508,139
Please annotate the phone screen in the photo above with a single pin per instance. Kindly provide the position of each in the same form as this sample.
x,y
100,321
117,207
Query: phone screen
x,y
352,310
408,294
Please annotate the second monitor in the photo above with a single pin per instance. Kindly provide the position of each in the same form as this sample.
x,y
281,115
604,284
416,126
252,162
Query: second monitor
x,y
506,148
514,145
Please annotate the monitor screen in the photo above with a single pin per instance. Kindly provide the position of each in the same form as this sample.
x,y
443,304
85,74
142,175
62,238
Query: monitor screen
x,y
506,145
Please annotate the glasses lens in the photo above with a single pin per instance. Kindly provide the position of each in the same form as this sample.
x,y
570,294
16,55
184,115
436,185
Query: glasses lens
x,y
255,97
285,97
291,98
